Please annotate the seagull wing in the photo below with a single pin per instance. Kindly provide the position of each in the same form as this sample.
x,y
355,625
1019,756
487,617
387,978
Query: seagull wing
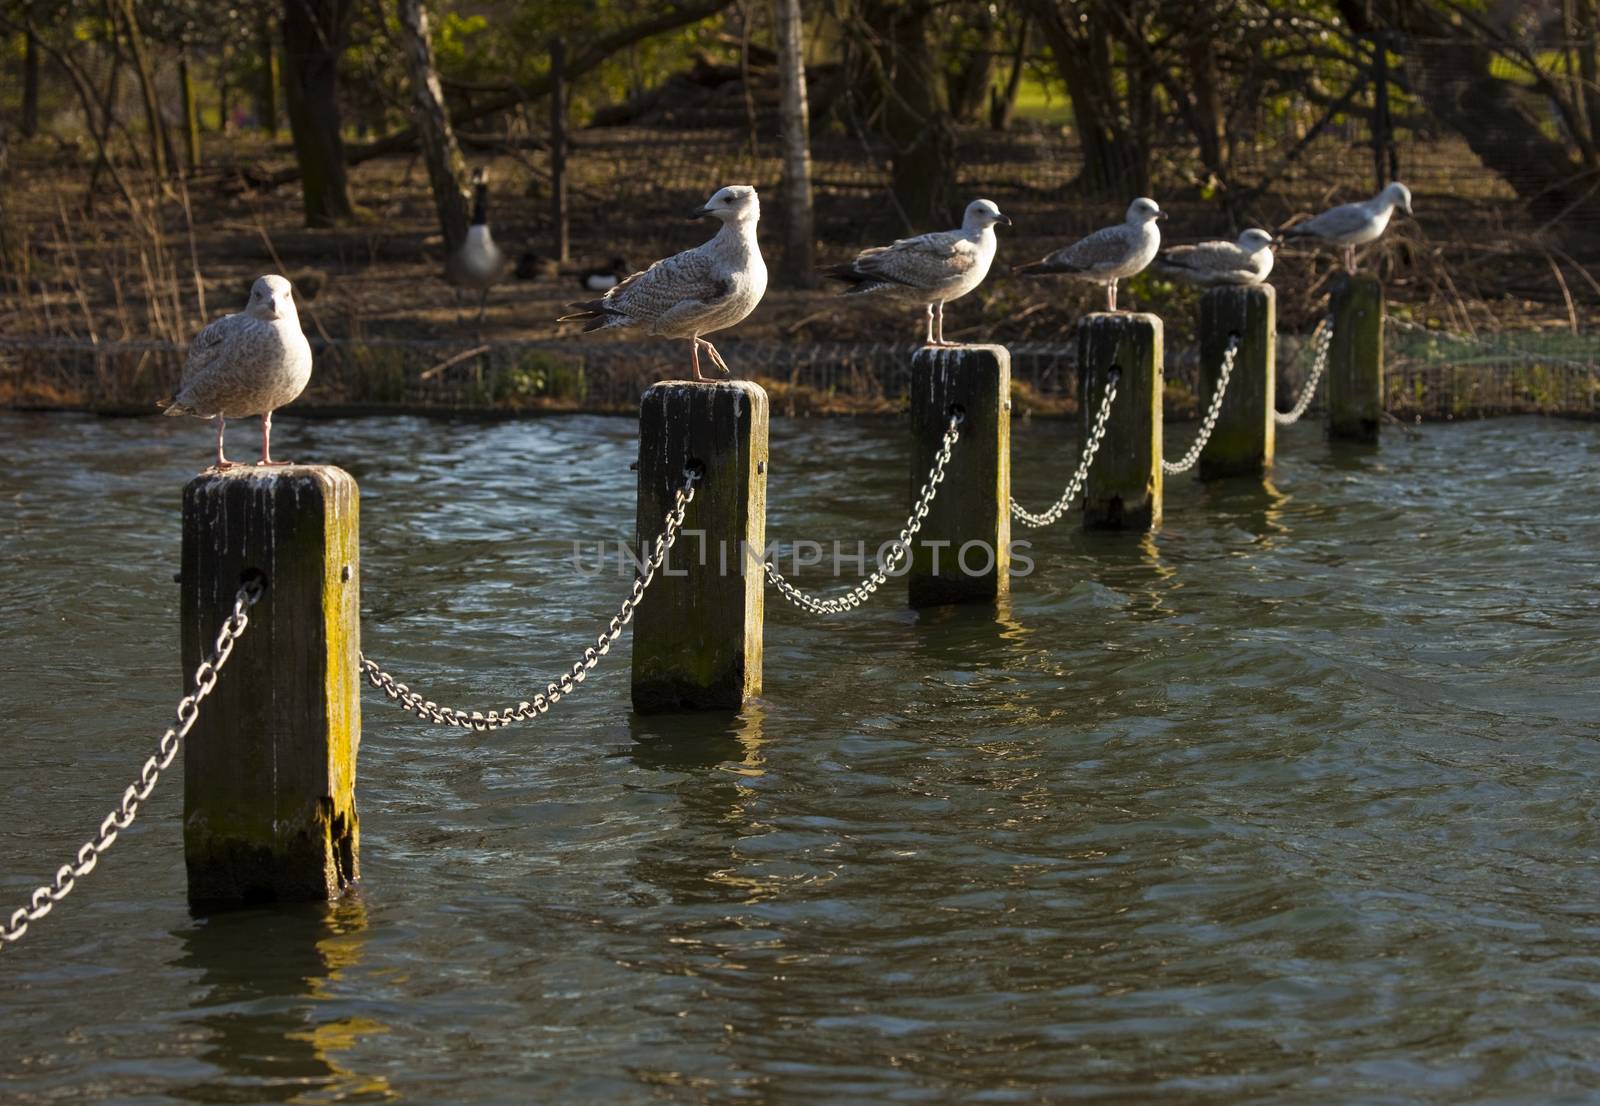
x,y
207,346
925,262
683,281
1334,224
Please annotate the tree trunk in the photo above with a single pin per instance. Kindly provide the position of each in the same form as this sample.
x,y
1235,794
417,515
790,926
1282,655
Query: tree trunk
x,y
1588,35
1115,164
267,87
147,85
798,269
447,172
922,162
30,85
1002,104
191,113
314,36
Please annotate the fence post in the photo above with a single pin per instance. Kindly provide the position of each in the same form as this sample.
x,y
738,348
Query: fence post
x,y
1123,488
1355,358
270,768
963,552
1243,440
697,634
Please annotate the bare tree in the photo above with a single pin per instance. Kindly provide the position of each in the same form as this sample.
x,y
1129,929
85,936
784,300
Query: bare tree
x,y
446,169
799,227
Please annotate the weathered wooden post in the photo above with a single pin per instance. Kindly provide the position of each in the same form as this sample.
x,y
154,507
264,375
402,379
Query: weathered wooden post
x,y
270,768
697,633
963,552
1244,437
1123,488
1355,358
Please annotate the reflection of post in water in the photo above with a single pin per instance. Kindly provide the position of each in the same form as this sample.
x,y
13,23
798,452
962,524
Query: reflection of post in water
x,y
264,1048
1255,509
698,862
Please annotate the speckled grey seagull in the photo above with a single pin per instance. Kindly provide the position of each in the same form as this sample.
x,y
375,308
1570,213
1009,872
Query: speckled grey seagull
x,y
1246,261
477,264
698,291
931,269
1109,254
1350,225
251,363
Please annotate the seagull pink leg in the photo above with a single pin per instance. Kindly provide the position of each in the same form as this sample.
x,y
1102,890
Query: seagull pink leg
x,y
694,358
939,322
266,442
222,462
1111,295
928,308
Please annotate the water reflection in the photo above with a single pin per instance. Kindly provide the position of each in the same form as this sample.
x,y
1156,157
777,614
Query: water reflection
x,y
268,979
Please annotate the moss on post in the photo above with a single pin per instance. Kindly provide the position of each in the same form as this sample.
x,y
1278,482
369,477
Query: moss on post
x,y
697,634
1355,358
1243,440
963,552
270,767
1123,488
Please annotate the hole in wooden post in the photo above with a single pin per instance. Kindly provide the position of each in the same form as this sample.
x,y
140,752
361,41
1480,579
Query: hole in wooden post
x,y
254,576
694,469
957,412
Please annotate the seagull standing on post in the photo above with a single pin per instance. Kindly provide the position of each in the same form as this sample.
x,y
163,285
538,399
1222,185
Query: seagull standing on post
x,y
1351,225
1246,261
931,269
698,291
247,364
1109,254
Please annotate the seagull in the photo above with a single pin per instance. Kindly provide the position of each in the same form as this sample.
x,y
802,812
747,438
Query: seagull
x,y
1246,261
931,269
247,364
1109,254
1349,225
477,262
698,291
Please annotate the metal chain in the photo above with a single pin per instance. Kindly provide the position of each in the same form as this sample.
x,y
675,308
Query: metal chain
x,y
1209,423
863,591
1090,448
1324,340
567,682
205,681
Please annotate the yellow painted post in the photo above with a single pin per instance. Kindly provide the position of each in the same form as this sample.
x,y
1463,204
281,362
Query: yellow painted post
x,y
270,767
1123,488
1243,440
1355,358
963,552
697,634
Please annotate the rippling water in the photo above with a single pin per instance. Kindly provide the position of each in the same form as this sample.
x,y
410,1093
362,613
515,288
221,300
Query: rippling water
x,y
1293,802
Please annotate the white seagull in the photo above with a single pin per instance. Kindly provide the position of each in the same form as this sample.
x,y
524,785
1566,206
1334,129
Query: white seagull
x,y
1246,261
1350,225
1109,254
477,263
931,269
698,291
247,364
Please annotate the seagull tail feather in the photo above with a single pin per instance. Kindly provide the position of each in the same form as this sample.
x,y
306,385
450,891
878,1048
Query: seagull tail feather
x,y
595,315
173,407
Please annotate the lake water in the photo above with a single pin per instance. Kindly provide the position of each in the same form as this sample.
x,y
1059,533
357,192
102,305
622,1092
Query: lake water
x,y
1293,802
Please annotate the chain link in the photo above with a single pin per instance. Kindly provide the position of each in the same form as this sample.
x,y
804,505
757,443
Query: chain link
x,y
864,590
1209,423
1324,340
564,685
188,712
1090,448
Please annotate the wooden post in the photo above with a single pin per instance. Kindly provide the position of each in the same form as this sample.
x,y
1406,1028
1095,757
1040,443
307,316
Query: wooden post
x,y
963,552
269,769
697,633
1355,358
1123,488
558,146
1242,442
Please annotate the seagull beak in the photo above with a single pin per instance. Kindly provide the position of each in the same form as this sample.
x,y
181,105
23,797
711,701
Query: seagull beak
x,y
699,213
1161,216
1006,219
